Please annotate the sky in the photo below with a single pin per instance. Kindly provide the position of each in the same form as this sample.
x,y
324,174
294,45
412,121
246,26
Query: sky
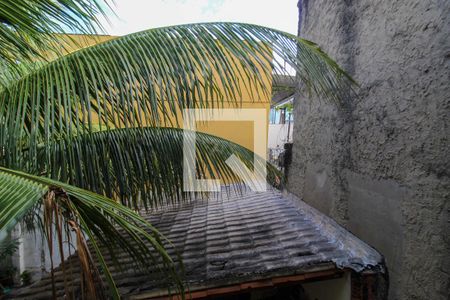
x,y
138,15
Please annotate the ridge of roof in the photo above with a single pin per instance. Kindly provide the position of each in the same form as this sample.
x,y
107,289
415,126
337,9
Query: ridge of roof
x,y
362,255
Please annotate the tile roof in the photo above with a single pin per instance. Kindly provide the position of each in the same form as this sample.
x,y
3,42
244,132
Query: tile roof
x,y
236,238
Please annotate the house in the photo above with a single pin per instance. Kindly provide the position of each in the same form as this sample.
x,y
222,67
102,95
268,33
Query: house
x,y
281,127
281,117
246,245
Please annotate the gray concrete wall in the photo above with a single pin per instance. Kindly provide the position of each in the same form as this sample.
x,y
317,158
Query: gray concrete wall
x,y
380,164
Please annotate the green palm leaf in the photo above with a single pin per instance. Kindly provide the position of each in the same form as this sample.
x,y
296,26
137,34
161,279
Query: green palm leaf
x,y
17,196
27,27
145,78
109,225
143,166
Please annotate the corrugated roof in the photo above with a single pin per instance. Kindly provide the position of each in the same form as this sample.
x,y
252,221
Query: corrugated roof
x,y
283,87
236,238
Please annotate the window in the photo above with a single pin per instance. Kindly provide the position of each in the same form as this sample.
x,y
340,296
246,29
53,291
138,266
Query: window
x,y
272,116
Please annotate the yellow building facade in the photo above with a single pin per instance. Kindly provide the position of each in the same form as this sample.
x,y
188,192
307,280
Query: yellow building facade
x,y
240,132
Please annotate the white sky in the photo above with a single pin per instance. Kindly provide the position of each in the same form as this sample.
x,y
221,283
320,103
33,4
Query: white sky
x,y
138,15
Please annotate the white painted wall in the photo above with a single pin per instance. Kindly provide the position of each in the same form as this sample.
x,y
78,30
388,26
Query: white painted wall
x,y
33,253
278,135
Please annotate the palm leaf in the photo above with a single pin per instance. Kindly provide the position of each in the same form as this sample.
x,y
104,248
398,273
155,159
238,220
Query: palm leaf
x,y
145,78
17,196
27,27
142,165
108,225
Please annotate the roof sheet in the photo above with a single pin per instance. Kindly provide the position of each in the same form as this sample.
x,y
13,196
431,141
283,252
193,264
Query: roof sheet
x,y
240,237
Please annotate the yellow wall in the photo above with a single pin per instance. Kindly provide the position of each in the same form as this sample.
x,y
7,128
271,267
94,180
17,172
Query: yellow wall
x,y
68,43
238,132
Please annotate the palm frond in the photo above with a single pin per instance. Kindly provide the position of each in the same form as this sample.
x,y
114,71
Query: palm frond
x,y
7,248
108,225
143,166
17,196
145,78
27,27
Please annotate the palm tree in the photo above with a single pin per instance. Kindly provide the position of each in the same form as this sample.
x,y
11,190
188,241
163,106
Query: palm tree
x,y
83,142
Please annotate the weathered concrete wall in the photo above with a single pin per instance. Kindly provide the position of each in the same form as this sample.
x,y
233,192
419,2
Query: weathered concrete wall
x,y
380,165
